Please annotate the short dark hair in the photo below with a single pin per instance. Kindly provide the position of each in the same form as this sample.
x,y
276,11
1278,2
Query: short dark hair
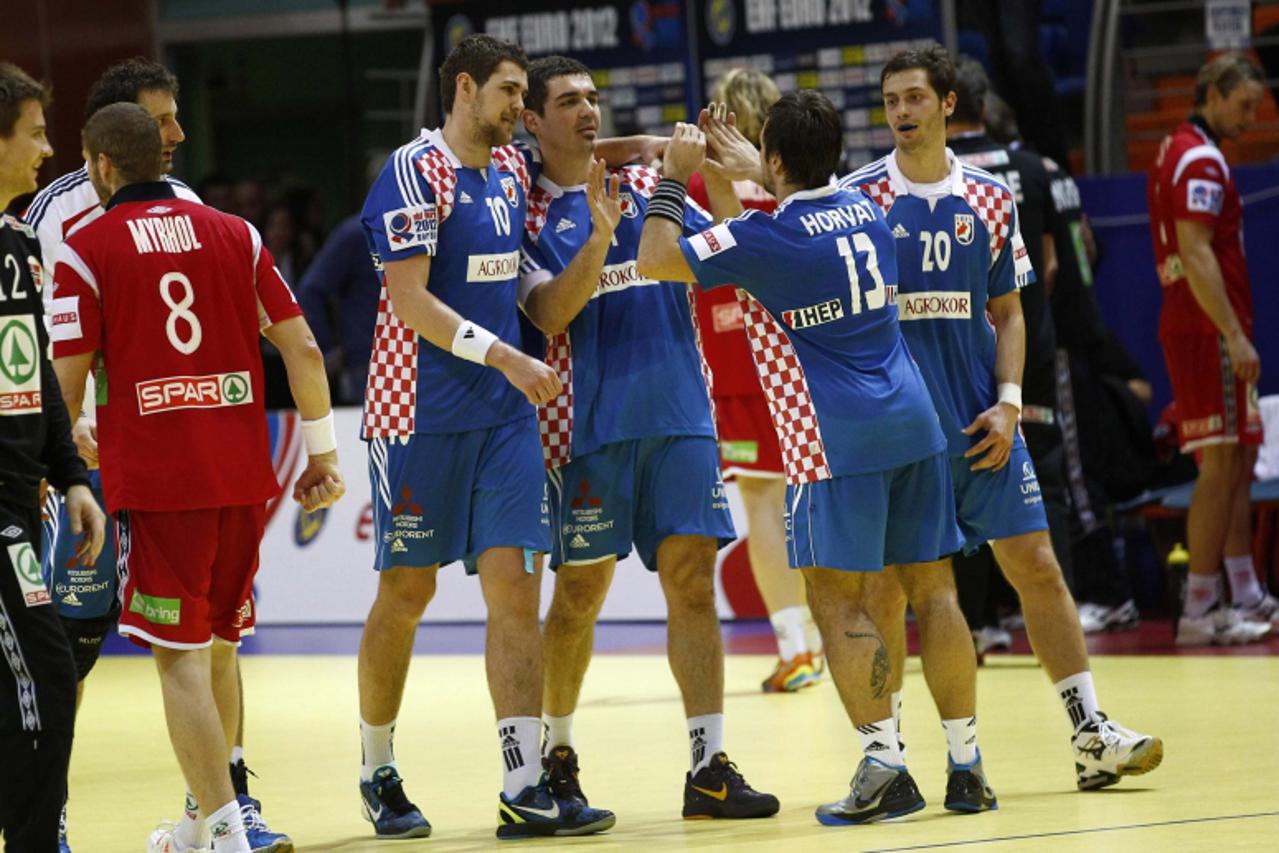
x,y
129,136
540,74
16,88
804,129
1225,72
971,86
125,81
934,61
477,55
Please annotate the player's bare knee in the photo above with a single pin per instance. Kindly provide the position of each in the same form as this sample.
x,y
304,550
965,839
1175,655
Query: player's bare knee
x,y
403,594
579,594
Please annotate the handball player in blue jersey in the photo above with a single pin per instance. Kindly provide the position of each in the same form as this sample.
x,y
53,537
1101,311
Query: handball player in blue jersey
x,y
630,443
454,456
961,262
868,484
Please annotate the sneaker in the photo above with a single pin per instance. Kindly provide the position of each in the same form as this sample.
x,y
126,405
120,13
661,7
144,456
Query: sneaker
x,y
718,790
792,676
990,639
63,845
1265,612
878,791
537,811
162,840
1221,626
1124,617
260,837
1012,622
967,789
1104,751
561,774
1092,617
388,809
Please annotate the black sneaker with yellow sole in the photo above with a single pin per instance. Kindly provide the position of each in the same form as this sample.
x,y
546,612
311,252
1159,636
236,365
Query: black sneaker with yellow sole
x,y
719,791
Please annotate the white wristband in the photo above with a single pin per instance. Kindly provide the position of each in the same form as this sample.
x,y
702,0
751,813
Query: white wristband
x,y
472,342
1010,393
319,435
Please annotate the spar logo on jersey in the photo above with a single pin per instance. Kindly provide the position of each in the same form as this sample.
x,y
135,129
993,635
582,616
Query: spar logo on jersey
x,y
19,365
1204,196
964,228
215,391
629,208
934,305
411,226
508,188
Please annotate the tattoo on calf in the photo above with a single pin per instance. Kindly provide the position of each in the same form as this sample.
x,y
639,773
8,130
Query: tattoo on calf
x,y
879,667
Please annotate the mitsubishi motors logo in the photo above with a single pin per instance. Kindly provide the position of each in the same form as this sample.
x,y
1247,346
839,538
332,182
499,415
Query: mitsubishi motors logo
x,y
585,498
406,506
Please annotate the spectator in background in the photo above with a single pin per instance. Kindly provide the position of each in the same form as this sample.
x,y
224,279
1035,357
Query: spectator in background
x,y
280,235
339,295
247,202
1205,327
215,191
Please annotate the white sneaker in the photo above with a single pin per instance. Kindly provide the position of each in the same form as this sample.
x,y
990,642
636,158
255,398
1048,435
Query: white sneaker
x,y
162,840
1221,626
1265,611
1012,622
988,639
1104,751
1092,617
1124,617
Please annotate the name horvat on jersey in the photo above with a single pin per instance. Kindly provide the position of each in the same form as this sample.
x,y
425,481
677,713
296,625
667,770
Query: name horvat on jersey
x,y
500,267
837,218
934,305
171,234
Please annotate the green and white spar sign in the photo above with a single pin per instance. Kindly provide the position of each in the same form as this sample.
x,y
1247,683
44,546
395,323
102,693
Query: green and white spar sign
x,y
30,579
19,365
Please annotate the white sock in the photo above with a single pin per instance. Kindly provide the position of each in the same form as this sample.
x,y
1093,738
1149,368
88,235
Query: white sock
x,y
1079,697
879,741
556,731
1201,594
521,759
788,625
705,738
187,833
812,634
227,830
377,748
961,739
1245,591
237,754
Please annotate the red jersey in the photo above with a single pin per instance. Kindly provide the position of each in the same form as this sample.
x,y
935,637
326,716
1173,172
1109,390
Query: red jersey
x,y
719,313
1190,180
173,295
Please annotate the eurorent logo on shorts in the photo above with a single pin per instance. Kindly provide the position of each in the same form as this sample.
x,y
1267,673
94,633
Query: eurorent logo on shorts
x,y
195,392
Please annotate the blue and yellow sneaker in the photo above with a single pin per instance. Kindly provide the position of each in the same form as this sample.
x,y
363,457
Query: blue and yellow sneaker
x,y
792,676
388,809
538,812
260,837
718,790
878,791
967,789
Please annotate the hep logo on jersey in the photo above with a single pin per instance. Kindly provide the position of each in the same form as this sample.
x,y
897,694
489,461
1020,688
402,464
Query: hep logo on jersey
x,y
411,226
964,228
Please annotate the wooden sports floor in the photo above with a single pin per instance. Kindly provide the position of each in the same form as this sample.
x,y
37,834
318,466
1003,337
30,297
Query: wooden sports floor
x,y
1218,787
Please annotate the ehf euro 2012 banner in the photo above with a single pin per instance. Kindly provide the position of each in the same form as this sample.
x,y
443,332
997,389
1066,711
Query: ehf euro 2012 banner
x,y
317,567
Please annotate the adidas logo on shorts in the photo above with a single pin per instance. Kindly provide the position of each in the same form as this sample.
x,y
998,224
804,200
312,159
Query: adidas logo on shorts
x,y
579,541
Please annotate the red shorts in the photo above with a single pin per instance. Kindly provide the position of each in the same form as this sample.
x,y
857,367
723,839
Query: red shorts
x,y
188,574
747,440
1214,406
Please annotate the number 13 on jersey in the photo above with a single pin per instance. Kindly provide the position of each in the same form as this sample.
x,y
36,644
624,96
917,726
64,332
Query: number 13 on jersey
x,y
877,296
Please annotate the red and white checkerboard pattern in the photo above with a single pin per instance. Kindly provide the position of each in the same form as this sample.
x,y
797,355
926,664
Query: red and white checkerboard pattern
x,y
390,398
786,388
556,417
642,179
707,375
539,205
880,192
510,159
439,173
995,206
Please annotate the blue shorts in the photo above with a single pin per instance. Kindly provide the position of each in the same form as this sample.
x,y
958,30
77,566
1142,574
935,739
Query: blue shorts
x,y
444,497
864,522
997,504
640,491
79,592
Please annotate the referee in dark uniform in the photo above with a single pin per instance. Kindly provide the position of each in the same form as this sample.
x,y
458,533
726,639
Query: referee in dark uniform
x,y
37,673
1025,174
